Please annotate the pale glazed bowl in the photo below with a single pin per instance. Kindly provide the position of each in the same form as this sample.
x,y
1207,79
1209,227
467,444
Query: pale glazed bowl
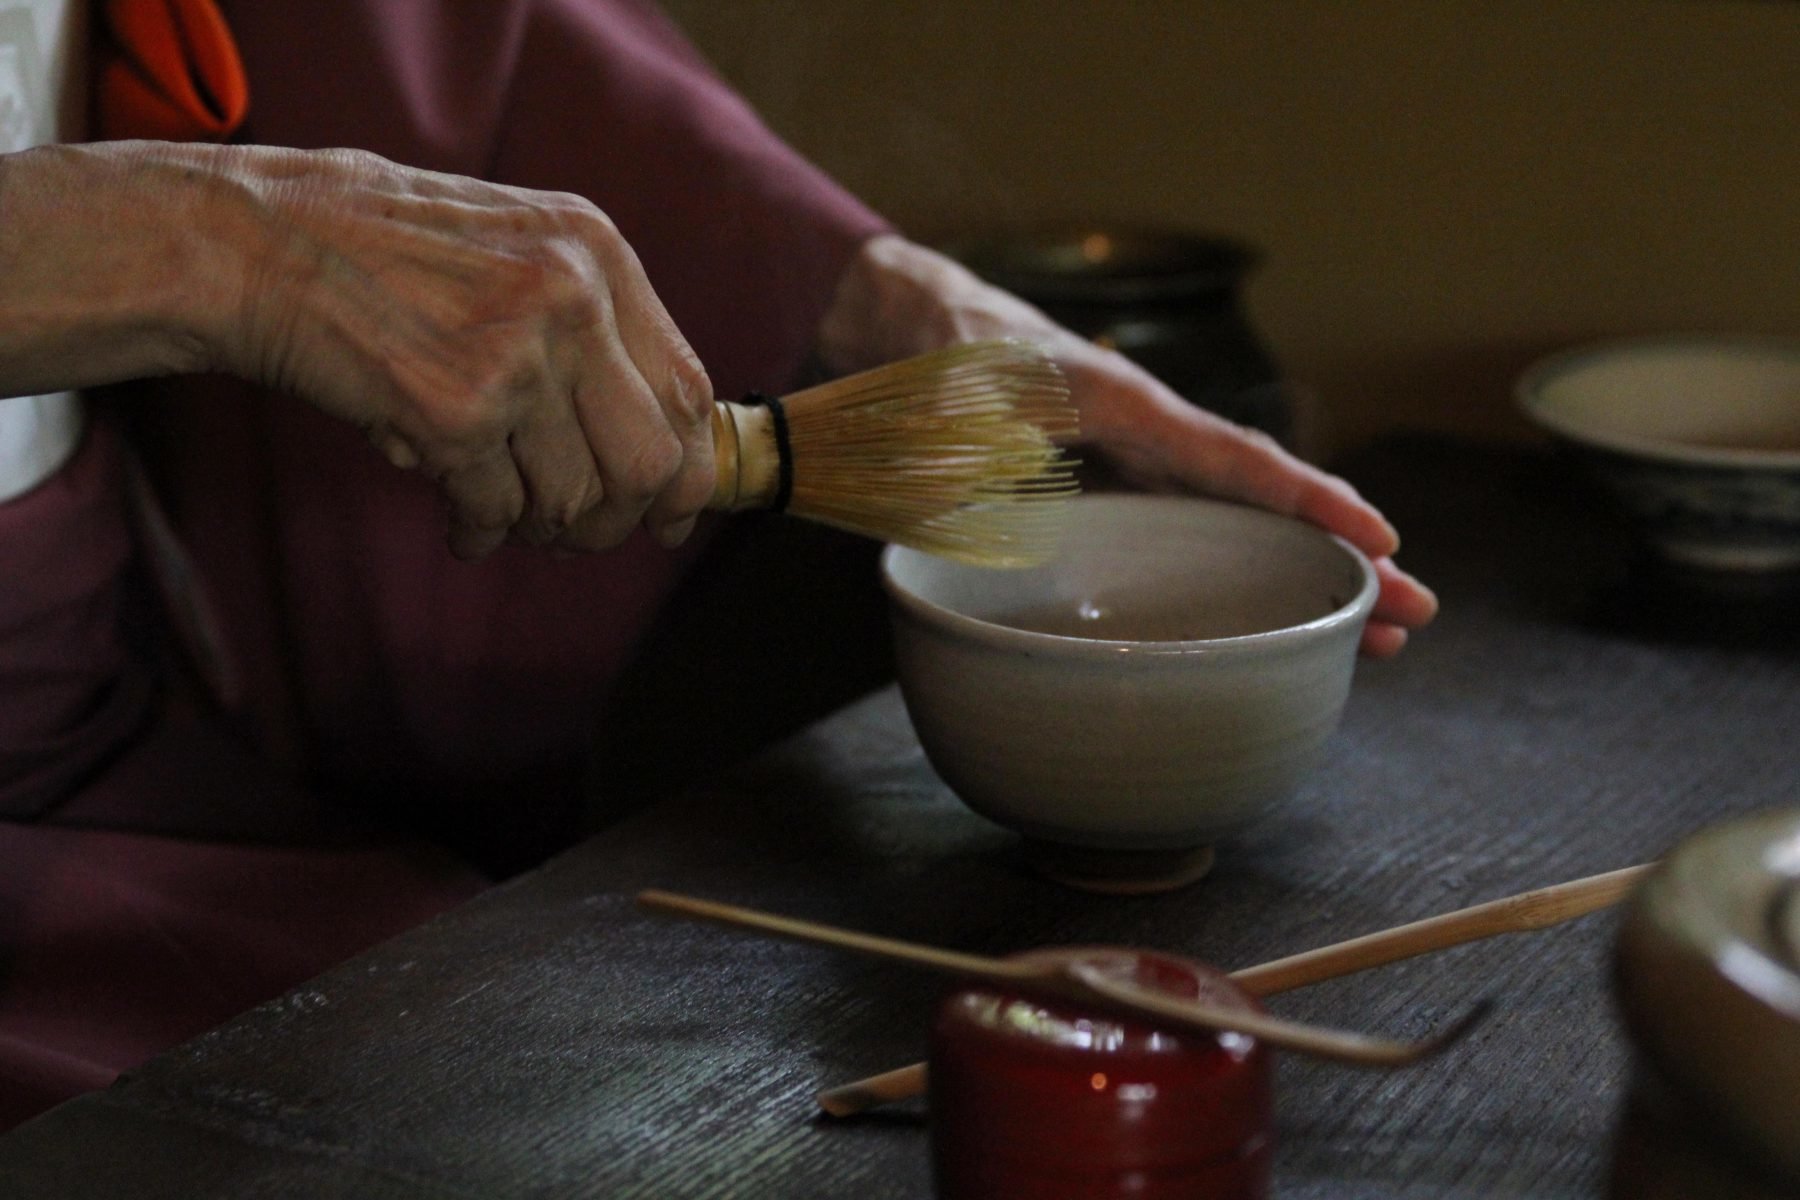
x,y
1163,682
1697,438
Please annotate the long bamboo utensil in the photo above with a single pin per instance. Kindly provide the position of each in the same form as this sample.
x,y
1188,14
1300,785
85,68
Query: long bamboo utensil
x,y
1540,908
1076,978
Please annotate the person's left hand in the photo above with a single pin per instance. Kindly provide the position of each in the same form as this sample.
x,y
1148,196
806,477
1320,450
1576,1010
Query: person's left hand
x,y
898,299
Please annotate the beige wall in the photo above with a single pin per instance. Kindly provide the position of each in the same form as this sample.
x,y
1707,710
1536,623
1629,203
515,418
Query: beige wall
x,y
1443,189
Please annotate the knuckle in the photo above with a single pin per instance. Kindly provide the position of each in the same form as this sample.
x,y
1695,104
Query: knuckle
x,y
649,468
1259,441
597,530
493,512
353,160
585,218
367,160
1262,441
563,281
575,218
566,510
690,392
466,427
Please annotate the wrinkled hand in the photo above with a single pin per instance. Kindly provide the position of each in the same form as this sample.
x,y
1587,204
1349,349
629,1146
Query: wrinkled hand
x,y
504,341
898,299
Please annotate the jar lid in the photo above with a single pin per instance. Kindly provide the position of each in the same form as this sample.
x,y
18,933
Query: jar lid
x,y
1708,979
1106,264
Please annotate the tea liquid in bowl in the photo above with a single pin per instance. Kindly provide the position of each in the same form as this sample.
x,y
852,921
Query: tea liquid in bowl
x,y
1154,583
1131,618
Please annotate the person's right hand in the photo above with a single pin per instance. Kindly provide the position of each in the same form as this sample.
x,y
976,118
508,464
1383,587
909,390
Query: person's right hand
x,y
504,341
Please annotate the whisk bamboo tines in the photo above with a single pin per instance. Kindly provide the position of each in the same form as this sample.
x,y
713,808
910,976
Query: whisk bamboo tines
x,y
953,452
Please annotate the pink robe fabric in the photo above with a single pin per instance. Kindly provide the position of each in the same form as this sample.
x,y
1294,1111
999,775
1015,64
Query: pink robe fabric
x,y
176,845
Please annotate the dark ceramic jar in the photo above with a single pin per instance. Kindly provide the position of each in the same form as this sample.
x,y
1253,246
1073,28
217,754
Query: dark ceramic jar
x,y
1037,1099
1169,300
1707,975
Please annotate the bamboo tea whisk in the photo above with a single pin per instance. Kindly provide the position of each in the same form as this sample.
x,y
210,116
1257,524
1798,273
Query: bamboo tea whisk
x,y
953,452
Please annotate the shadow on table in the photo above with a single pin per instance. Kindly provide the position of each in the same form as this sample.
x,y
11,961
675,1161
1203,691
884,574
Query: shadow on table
x,y
1554,546
781,623
1662,601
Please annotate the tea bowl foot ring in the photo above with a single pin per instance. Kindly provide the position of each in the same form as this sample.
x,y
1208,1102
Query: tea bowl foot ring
x,y
1118,872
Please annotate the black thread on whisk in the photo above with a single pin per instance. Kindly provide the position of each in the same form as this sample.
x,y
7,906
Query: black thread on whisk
x,y
784,451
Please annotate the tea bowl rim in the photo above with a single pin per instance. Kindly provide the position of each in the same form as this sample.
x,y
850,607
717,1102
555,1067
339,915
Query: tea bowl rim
x,y
1068,647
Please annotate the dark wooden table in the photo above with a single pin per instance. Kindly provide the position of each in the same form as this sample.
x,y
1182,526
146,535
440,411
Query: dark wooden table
x,y
1570,713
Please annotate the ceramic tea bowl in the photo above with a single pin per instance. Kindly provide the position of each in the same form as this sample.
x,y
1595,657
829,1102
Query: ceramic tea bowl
x,y
1163,682
1698,439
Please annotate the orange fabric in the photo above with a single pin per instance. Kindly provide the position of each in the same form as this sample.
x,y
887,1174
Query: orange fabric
x,y
167,70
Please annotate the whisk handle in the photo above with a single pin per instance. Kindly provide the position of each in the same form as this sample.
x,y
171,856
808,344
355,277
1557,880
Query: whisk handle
x,y
746,464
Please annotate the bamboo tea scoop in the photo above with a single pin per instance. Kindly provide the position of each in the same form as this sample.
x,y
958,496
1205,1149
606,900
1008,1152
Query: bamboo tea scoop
x,y
1539,909
1064,977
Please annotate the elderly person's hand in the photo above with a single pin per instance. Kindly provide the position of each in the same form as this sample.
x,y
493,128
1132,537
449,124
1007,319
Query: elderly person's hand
x,y
504,341
898,298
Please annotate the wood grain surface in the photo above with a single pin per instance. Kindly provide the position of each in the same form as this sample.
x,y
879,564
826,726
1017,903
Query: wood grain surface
x,y
1572,711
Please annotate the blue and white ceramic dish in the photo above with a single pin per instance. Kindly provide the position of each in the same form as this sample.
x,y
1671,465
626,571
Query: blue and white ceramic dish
x,y
1698,437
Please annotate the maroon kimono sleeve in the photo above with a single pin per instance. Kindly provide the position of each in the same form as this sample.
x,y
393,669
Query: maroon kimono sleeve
x,y
72,694
743,239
